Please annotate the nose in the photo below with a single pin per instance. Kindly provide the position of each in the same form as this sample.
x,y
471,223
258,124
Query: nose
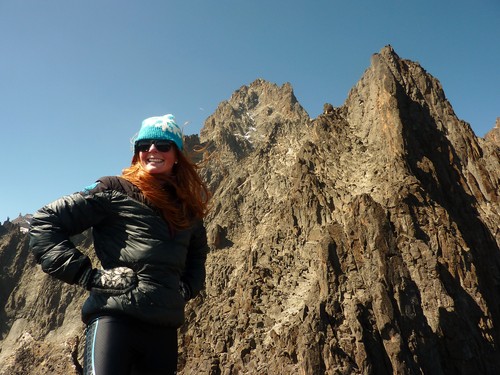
x,y
152,148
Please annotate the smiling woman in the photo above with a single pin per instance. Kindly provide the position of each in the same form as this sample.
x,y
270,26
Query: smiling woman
x,y
157,157
155,171
150,239
157,144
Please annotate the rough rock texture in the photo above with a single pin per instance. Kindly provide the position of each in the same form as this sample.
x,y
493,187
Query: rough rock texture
x,y
40,325
365,241
494,134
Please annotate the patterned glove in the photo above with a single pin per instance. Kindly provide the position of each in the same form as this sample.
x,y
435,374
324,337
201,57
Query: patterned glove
x,y
114,281
185,290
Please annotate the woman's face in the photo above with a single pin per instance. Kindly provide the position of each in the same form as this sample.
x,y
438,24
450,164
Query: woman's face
x,y
155,161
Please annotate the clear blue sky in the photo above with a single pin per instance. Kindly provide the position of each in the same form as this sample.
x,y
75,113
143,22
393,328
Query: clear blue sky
x,y
78,77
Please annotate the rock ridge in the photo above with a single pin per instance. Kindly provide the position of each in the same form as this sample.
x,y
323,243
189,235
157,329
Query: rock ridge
x,y
365,240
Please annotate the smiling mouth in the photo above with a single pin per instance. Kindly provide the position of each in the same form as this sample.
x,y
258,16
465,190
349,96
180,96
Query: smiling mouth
x,y
155,160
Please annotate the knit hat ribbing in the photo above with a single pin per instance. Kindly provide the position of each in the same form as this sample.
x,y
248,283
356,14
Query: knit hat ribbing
x,y
161,127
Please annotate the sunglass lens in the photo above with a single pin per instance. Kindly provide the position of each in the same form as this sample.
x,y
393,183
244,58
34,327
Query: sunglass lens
x,y
144,146
163,146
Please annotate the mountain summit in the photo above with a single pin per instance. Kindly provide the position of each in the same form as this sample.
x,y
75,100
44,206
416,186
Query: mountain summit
x,y
364,241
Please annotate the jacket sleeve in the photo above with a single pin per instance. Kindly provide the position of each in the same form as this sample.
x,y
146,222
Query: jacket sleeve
x,y
194,272
51,229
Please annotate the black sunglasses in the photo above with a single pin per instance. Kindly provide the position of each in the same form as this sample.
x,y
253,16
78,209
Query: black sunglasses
x,y
161,145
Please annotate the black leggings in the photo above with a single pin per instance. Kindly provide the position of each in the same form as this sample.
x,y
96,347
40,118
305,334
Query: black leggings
x,y
122,346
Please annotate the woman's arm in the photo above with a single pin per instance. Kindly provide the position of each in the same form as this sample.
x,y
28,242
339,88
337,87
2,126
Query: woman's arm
x,y
194,272
50,232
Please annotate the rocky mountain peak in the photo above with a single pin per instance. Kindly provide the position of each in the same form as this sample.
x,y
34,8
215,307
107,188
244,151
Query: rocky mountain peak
x,y
364,223
493,135
365,240
248,119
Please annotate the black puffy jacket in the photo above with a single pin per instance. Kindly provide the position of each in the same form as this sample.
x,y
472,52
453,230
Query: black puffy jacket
x,y
126,233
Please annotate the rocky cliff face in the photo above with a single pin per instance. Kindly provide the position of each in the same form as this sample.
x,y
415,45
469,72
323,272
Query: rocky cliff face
x,y
494,134
365,241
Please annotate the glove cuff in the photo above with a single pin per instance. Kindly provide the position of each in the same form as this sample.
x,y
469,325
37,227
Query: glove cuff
x,y
85,278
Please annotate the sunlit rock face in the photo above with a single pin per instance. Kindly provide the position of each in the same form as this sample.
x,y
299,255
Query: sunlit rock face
x,y
363,241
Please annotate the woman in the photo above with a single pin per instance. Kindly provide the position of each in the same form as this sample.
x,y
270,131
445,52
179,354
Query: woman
x,y
149,236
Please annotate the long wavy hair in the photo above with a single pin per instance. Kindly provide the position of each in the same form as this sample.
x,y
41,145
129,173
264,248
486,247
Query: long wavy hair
x,y
181,197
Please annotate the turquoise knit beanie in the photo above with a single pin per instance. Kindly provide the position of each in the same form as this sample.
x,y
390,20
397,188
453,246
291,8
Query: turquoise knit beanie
x,y
161,127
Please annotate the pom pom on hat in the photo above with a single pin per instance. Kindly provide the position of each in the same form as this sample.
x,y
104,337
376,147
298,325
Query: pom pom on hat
x,y
161,127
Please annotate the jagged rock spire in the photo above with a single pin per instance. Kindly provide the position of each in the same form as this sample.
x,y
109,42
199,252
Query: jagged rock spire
x,y
359,242
362,241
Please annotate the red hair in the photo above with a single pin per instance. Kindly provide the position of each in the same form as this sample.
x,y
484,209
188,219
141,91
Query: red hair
x,y
181,197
